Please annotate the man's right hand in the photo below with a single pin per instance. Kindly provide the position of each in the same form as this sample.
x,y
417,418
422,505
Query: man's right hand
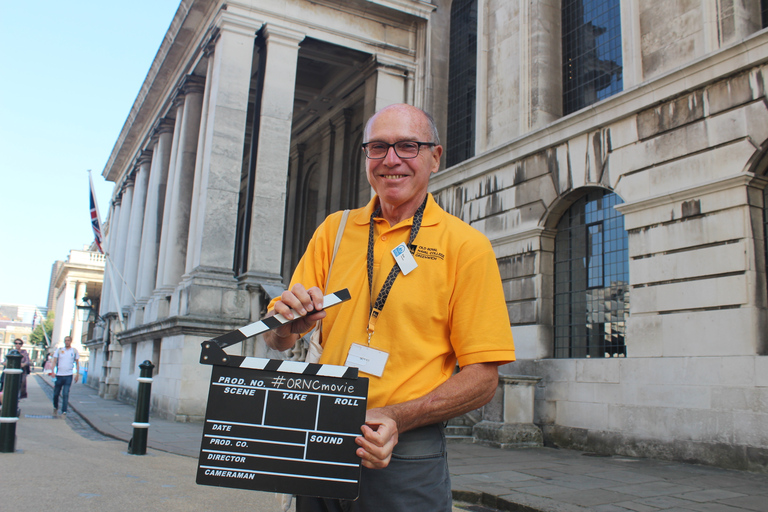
x,y
309,306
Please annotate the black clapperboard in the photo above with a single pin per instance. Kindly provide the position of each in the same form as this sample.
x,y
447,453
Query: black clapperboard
x,y
281,426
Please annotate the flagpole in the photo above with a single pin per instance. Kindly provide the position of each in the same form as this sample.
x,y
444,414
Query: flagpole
x,y
95,217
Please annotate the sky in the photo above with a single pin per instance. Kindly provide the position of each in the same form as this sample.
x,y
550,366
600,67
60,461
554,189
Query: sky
x,y
72,72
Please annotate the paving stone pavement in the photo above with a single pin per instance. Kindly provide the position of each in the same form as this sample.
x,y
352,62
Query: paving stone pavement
x,y
484,478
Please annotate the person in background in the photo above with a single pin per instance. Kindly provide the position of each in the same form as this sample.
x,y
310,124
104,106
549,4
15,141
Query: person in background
x,y
432,296
66,361
25,367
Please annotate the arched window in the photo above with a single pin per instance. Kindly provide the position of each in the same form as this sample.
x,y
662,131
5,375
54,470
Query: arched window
x,y
591,278
592,60
462,77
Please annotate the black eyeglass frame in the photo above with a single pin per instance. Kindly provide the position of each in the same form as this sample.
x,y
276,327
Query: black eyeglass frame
x,y
393,146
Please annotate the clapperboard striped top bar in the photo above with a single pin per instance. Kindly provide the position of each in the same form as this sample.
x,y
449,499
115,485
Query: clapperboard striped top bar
x,y
219,357
272,322
299,367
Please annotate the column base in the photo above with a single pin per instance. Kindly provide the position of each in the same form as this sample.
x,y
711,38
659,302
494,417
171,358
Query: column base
x,y
211,292
158,306
508,435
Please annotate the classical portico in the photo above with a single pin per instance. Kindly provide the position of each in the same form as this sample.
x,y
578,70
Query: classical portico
x,y
236,146
79,277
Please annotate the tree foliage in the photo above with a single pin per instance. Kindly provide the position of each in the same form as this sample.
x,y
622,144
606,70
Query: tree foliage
x,y
38,337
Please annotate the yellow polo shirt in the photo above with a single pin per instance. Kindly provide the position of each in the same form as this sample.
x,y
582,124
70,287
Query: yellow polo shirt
x,y
451,307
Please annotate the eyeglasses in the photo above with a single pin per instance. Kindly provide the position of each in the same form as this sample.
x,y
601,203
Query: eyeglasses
x,y
18,343
403,149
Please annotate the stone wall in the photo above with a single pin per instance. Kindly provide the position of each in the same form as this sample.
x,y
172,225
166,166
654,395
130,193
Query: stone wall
x,y
694,384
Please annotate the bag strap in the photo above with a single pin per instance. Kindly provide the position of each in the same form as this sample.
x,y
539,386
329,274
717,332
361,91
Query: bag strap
x,y
336,244
339,234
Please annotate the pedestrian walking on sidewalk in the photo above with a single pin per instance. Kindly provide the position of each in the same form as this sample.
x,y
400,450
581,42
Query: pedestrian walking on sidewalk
x,y
25,367
66,362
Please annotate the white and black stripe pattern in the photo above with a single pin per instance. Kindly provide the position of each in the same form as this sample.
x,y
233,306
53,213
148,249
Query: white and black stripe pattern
x,y
297,367
272,322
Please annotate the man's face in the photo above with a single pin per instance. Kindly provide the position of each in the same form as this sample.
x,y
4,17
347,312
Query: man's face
x,y
399,181
67,342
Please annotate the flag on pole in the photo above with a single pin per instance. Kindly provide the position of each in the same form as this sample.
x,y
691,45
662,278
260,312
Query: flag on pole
x,y
95,221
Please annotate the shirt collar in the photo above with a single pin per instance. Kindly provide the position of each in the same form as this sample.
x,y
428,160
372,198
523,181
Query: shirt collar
x,y
432,213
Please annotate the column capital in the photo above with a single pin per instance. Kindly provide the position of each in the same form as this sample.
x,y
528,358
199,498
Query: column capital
x,y
164,125
230,20
128,181
191,84
281,35
390,65
208,47
144,158
178,100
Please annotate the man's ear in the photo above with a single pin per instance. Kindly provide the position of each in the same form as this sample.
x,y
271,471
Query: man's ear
x,y
437,152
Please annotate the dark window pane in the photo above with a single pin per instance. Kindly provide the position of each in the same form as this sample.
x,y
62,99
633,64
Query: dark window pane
x,y
764,12
591,279
462,76
592,61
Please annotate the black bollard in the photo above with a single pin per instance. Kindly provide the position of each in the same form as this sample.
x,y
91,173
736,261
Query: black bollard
x,y
9,414
138,443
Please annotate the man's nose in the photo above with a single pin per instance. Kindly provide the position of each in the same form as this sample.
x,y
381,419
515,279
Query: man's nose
x,y
391,158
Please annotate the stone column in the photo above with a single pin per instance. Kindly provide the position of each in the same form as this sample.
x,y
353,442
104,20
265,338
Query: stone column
x,y
511,425
212,240
341,194
77,323
62,324
105,306
385,86
153,215
178,105
273,155
109,380
181,194
121,241
543,92
192,246
133,245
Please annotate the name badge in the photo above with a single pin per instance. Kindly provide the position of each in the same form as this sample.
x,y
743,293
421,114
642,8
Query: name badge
x,y
404,258
367,359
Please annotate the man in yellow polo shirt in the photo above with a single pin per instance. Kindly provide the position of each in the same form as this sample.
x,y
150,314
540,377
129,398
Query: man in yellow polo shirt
x,y
426,293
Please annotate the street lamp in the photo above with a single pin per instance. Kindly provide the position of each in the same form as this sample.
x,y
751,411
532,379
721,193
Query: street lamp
x,y
88,306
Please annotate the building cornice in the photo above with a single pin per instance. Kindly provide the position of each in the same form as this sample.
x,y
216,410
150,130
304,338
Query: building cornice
x,y
740,180
205,327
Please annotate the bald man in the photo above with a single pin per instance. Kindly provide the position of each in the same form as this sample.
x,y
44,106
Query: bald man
x,y
426,295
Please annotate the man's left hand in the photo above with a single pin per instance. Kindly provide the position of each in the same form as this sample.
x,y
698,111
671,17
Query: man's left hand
x,y
378,440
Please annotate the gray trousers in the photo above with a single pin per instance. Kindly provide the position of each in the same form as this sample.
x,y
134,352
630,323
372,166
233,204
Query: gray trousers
x,y
416,479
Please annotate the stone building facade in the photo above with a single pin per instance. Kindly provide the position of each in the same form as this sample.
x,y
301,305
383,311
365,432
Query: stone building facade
x,y
612,150
79,277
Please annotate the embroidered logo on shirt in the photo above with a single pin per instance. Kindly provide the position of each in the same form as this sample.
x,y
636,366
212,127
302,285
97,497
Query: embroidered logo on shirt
x,y
426,253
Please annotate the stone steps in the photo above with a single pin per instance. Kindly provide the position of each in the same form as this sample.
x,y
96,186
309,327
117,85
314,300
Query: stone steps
x,y
459,430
